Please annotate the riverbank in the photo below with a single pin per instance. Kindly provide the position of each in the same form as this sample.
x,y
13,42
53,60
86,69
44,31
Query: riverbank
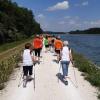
x,y
47,85
89,70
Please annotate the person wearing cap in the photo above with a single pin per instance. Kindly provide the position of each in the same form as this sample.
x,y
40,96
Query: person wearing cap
x,y
66,57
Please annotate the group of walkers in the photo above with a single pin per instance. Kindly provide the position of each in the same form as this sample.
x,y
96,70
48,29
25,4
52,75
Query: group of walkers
x,y
32,53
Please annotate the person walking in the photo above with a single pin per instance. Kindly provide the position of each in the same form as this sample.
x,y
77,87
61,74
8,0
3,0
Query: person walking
x,y
49,42
46,44
37,45
66,57
58,45
28,60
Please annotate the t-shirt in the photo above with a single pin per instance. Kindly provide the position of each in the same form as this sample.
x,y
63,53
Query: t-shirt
x,y
46,42
27,58
37,43
58,44
65,54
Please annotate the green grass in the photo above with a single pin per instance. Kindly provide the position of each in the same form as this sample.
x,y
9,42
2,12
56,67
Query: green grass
x,y
92,73
7,65
8,46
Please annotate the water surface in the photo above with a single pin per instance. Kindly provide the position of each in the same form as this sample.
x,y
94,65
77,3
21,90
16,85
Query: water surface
x,y
88,45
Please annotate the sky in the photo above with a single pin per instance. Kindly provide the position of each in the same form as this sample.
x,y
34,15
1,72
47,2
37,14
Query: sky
x,y
64,15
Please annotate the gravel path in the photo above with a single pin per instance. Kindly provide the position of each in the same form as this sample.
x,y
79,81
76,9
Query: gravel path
x,y
47,85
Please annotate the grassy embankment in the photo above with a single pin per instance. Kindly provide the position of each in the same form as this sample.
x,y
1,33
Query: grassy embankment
x,y
9,59
90,71
8,46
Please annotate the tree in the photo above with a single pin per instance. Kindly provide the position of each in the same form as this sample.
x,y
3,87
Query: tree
x,y
16,22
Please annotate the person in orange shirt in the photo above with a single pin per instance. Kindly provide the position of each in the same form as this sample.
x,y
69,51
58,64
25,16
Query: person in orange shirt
x,y
58,45
37,45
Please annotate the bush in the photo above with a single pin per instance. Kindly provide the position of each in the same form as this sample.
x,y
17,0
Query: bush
x,y
7,65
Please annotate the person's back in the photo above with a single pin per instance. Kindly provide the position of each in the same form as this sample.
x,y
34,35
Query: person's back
x,y
58,44
27,60
58,47
65,60
37,43
65,54
46,42
27,63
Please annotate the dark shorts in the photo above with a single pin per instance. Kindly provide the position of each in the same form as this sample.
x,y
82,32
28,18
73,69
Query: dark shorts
x,y
40,49
57,51
46,46
27,70
37,52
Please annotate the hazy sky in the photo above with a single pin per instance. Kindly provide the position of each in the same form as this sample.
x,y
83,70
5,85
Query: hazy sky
x,y
59,15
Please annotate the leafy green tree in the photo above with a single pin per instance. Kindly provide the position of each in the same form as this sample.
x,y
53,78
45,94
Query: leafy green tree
x,y
16,22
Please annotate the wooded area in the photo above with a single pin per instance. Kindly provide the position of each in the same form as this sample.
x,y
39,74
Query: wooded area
x,y
16,22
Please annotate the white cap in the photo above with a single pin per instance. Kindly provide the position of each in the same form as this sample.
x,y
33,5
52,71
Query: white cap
x,y
37,35
66,43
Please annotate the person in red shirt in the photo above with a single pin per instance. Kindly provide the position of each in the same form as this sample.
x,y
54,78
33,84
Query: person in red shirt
x,y
37,45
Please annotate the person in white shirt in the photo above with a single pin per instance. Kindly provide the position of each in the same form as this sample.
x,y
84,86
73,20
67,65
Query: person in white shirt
x,y
28,59
66,57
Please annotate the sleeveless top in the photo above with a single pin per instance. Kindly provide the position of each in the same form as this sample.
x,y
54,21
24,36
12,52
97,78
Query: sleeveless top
x,y
65,54
27,59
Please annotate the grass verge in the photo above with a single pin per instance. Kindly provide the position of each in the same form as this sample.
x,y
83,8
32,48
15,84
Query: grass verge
x,y
8,46
92,73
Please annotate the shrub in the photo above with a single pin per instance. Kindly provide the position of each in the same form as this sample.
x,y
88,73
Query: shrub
x,y
7,65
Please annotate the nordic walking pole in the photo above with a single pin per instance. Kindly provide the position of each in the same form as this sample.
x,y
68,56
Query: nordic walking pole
x,y
34,78
74,75
34,63
59,70
20,82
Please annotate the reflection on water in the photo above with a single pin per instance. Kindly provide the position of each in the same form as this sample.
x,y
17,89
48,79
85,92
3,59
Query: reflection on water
x,y
89,45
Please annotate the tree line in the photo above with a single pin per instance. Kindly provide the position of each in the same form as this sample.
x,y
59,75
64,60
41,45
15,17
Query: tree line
x,y
16,22
88,31
50,32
